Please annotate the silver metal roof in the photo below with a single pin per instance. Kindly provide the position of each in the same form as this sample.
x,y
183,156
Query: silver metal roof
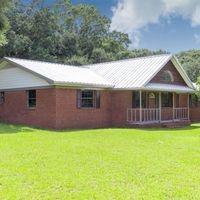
x,y
63,74
129,74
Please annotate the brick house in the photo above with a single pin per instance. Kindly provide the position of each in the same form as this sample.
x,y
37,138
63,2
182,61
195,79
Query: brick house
x,y
143,91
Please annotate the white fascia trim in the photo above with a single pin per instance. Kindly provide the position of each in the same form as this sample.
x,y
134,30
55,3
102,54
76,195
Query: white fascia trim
x,y
81,85
182,72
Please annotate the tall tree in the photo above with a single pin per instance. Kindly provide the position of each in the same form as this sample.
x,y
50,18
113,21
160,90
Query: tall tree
x,y
3,21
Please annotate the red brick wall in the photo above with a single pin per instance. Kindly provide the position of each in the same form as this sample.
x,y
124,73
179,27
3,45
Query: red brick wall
x,y
121,100
56,108
195,114
178,80
69,116
15,110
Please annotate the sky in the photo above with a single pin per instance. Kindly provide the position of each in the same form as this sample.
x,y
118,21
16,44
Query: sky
x,y
172,25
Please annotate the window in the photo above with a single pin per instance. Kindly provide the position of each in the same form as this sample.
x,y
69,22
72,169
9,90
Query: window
x,y
2,97
31,94
167,99
136,99
88,99
167,76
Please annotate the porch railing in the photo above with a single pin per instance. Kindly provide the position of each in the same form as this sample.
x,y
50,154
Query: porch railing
x,y
135,115
181,113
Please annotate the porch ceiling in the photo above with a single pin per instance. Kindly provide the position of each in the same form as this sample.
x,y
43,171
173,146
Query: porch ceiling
x,y
168,88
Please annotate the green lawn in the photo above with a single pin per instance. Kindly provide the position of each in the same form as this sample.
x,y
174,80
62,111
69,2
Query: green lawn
x,y
99,164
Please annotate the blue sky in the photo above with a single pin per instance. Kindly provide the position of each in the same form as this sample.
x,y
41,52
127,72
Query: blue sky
x,y
174,26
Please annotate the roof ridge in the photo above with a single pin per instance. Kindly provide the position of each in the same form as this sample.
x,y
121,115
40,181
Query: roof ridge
x,y
88,65
39,61
128,59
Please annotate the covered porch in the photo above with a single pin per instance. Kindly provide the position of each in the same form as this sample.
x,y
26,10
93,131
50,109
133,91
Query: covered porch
x,y
150,107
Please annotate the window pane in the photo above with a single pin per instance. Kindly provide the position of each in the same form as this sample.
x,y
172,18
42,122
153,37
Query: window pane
x,y
32,93
87,99
32,98
32,102
87,94
87,103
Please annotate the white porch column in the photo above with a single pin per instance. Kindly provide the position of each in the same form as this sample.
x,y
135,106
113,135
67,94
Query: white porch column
x,y
188,106
173,106
160,107
140,106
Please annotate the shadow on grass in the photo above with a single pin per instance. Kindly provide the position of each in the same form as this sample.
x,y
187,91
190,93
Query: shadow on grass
x,y
186,128
12,129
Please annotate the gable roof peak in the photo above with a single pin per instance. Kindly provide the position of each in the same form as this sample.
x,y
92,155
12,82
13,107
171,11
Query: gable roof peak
x,y
132,59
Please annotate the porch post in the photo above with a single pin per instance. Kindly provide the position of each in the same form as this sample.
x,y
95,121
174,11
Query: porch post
x,y
188,106
140,106
173,106
160,107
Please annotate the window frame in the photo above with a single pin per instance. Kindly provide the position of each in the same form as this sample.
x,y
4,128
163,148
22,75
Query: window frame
x,y
85,99
31,98
95,99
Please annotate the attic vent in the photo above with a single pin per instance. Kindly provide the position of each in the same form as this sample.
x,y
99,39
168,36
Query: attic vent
x,y
168,77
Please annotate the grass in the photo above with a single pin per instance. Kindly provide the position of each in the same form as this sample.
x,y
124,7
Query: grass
x,y
99,164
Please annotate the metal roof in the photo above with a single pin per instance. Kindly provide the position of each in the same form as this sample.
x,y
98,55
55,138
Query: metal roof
x,y
131,73
168,88
63,74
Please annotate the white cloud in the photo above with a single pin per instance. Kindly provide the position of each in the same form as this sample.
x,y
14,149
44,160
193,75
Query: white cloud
x,y
130,16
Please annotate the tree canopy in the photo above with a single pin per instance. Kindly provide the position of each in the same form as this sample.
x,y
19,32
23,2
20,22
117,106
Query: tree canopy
x,y
3,21
73,34
190,60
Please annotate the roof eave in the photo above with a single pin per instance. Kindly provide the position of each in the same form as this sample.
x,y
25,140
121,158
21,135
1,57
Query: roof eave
x,y
82,85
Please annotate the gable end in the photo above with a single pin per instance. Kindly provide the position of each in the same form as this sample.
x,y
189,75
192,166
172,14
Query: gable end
x,y
169,67
12,77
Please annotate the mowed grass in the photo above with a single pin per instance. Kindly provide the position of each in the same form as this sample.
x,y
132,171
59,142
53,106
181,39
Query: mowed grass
x,y
99,164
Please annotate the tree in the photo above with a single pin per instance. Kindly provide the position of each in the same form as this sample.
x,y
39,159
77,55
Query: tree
x,y
191,63
3,21
62,33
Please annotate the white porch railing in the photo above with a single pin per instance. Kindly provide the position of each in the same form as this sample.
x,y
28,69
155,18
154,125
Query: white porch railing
x,y
153,115
181,113
133,115
150,114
